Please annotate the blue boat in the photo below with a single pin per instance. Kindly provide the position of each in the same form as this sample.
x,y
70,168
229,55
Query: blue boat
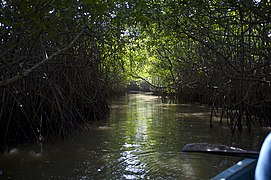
x,y
244,169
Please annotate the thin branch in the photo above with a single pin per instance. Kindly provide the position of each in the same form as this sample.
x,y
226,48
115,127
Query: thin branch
x,y
170,64
43,61
7,65
148,82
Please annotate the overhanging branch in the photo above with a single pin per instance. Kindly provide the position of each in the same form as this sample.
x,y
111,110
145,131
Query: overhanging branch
x,y
29,70
148,82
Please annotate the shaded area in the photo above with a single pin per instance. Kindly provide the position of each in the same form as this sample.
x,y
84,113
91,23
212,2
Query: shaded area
x,y
53,107
50,79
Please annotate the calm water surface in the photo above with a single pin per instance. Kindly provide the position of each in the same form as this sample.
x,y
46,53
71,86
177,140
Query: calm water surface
x,y
142,139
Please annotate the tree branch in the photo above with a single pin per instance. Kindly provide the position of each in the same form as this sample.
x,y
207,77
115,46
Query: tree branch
x,y
43,61
158,87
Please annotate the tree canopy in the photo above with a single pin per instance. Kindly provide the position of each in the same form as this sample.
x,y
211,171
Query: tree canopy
x,y
60,59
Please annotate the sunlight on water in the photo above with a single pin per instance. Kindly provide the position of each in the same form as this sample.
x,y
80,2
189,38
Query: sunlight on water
x,y
142,139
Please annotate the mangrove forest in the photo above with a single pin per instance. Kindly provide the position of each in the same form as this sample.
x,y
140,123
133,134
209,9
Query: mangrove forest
x,y
61,60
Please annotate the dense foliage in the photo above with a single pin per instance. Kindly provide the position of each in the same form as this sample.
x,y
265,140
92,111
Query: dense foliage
x,y
52,73
213,52
59,60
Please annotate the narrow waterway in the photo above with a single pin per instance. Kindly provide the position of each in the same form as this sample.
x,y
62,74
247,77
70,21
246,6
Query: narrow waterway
x,y
142,139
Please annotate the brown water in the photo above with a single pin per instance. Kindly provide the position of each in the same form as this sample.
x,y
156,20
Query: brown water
x,y
142,139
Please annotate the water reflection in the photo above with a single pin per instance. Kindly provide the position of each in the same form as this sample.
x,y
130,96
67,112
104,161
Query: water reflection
x,y
142,139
